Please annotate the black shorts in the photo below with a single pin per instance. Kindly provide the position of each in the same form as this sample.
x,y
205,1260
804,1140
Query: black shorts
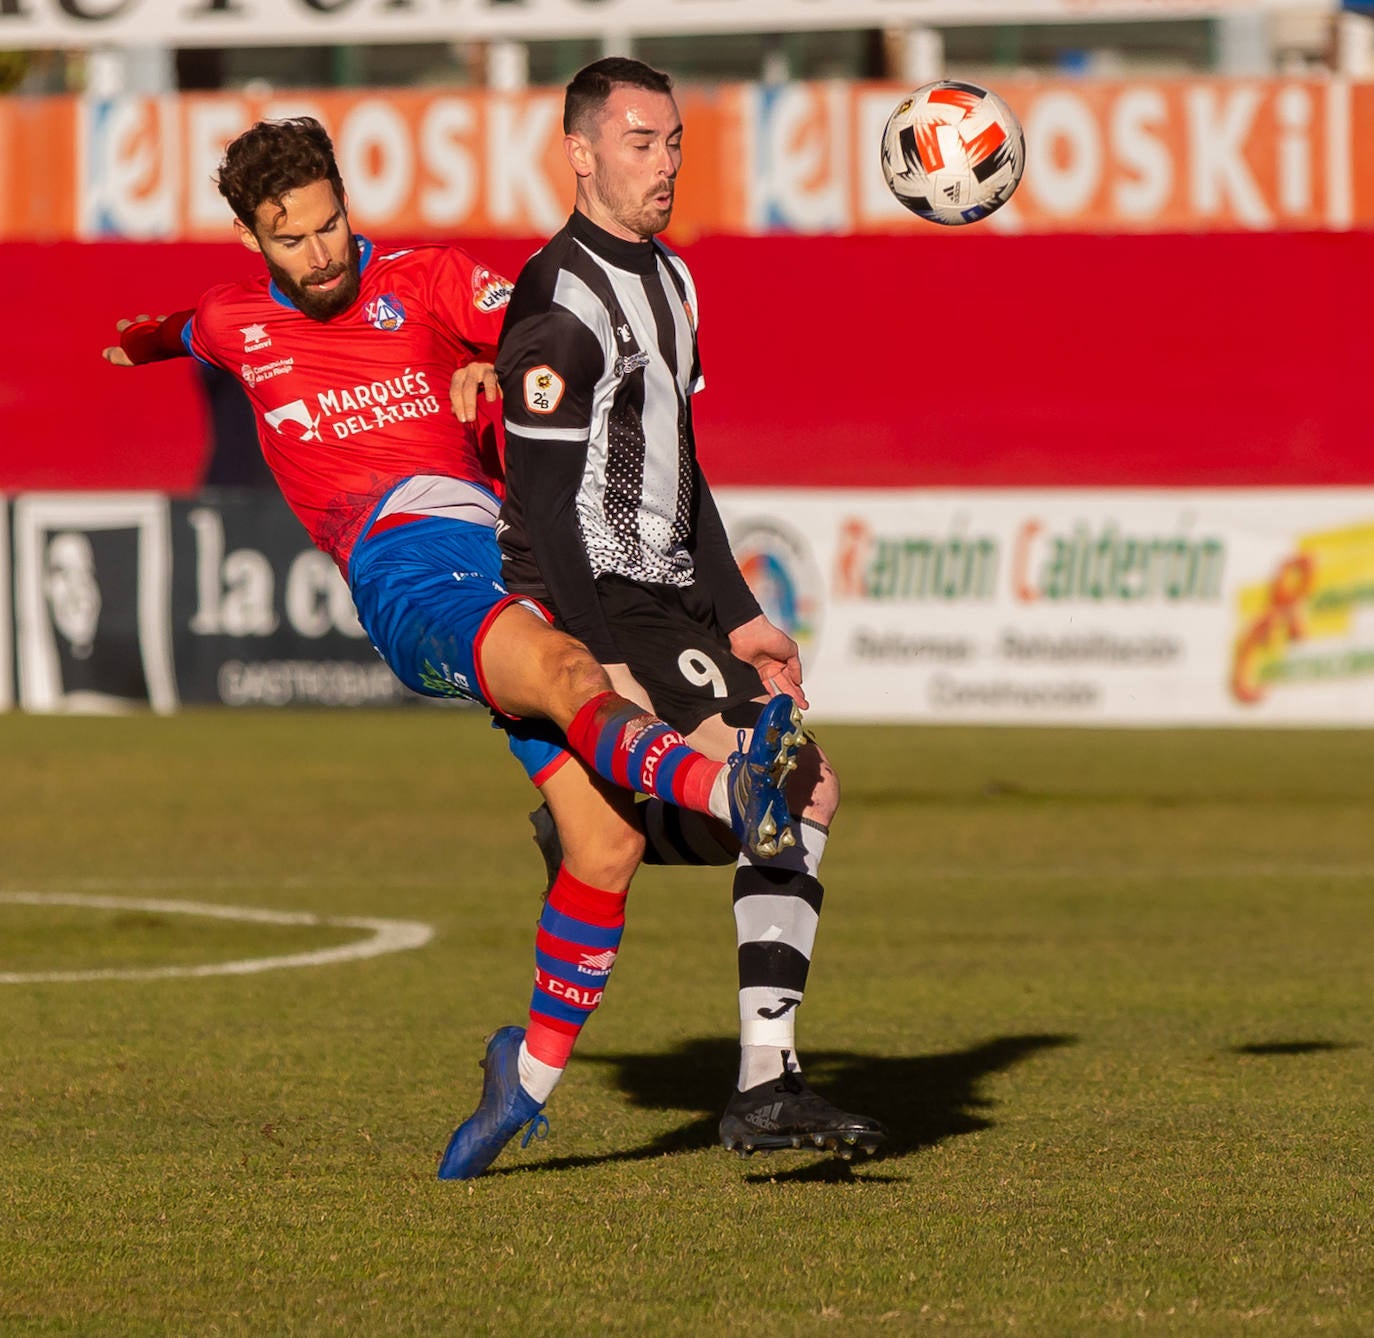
x,y
672,645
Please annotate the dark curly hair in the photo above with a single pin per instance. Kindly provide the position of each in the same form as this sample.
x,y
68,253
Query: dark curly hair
x,y
586,95
274,157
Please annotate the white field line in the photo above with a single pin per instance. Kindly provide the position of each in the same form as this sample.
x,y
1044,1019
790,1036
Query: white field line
x,y
936,872
385,936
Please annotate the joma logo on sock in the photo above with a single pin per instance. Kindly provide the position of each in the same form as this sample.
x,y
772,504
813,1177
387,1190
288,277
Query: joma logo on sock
x,y
772,1013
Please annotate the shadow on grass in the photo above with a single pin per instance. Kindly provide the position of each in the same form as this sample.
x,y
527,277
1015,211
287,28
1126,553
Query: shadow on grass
x,y
923,1100
1290,1047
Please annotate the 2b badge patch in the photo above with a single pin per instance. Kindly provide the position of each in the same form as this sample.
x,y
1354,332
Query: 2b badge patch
x,y
543,389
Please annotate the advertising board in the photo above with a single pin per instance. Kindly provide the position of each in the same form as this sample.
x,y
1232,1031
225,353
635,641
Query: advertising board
x,y
129,601
1085,607
1109,607
1103,156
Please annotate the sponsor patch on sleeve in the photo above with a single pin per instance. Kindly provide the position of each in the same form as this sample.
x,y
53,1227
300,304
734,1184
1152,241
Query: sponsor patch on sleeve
x,y
490,292
543,389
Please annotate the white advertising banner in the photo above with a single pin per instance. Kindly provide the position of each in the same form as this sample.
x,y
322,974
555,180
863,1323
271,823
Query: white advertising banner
x,y
37,24
1120,607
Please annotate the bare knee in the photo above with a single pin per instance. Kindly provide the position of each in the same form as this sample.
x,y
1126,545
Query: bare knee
x,y
604,856
814,789
599,830
532,669
573,678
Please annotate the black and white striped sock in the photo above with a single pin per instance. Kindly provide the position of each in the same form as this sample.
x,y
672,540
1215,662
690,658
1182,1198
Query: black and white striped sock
x,y
777,910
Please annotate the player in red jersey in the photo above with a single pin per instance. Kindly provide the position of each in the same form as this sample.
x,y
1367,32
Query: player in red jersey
x,y
364,370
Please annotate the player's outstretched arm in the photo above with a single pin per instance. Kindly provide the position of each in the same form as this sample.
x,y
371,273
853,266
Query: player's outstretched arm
x,y
148,339
753,638
115,354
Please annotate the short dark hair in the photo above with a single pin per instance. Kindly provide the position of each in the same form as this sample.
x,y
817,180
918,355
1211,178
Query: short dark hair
x,y
590,87
274,157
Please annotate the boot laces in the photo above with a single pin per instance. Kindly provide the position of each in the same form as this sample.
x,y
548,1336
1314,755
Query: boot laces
x,y
538,1128
791,1080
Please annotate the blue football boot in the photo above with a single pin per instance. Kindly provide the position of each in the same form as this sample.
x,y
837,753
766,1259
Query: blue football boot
x,y
505,1109
758,777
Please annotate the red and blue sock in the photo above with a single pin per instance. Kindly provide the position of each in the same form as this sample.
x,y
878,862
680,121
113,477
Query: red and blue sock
x,y
574,951
632,748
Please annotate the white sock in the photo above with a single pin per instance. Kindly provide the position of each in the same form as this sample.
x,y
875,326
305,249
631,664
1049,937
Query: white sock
x,y
720,796
764,1063
536,1077
811,839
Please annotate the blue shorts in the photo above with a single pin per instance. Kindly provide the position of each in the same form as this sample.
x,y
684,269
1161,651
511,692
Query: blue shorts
x,y
426,593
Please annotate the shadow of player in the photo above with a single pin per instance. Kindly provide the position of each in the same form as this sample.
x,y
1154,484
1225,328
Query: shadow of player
x,y
923,1100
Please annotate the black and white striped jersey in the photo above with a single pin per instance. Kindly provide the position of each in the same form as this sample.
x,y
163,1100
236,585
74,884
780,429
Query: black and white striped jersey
x,y
598,361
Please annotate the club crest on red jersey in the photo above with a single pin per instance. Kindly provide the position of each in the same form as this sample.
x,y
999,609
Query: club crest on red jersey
x,y
386,312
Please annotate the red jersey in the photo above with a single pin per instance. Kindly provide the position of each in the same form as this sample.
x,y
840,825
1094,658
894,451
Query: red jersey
x,y
347,408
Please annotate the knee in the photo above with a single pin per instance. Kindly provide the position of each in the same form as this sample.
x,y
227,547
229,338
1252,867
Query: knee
x,y
607,858
572,676
814,789
622,856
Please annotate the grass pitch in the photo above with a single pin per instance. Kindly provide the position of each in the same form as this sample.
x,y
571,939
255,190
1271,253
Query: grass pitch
x,y
1110,992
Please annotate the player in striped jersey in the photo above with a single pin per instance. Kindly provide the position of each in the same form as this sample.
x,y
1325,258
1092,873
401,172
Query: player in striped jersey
x,y
609,520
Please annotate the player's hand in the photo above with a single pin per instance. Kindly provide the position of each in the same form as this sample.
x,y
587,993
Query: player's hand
x,y
115,354
773,654
464,385
627,685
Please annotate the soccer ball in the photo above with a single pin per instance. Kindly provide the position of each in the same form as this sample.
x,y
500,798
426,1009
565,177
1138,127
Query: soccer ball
x,y
953,152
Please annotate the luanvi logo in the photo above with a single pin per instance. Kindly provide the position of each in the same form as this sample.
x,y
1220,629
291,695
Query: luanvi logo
x,y
772,1013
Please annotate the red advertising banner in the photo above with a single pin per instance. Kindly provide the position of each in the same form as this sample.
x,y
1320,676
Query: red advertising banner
x,y
1226,360
1102,156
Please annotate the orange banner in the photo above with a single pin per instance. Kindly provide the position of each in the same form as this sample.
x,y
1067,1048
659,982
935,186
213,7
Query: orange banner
x,y
1189,155
38,168
416,164
1102,156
